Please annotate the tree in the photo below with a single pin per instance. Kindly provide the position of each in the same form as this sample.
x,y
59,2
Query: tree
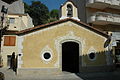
x,y
54,14
38,12
26,7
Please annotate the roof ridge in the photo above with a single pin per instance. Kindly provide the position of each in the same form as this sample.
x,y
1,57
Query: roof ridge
x,y
60,21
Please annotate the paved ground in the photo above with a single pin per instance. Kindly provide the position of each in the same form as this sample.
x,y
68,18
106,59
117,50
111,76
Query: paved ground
x,y
62,76
115,75
10,75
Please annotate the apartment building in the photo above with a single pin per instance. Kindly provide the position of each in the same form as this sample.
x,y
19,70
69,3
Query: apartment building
x,y
103,15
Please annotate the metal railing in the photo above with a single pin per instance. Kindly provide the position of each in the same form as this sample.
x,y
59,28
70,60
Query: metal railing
x,y
110,2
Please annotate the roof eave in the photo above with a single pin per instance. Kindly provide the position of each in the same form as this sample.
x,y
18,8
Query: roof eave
x,y
23,32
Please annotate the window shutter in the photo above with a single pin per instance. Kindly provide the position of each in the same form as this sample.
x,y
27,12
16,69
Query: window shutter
x,y
9,40
6,41
12,40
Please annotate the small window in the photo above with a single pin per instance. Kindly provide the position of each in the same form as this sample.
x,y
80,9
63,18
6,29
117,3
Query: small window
x,y
47,56
12,20
70,10
92,56
9,40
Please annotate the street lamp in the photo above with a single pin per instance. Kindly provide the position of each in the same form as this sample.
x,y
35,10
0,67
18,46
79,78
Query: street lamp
x,y
2,29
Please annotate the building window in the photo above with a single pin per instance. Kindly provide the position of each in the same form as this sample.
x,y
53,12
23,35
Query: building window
x,y
9,40
12,20
92,56
47,56
70,10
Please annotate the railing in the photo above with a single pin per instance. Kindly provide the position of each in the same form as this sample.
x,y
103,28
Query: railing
x,y
99,0
115,2
106,17
107,2
93,1
116,35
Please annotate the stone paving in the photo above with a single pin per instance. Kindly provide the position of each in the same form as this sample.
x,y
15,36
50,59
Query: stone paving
x,y
10,75
113,75
62,76
51,77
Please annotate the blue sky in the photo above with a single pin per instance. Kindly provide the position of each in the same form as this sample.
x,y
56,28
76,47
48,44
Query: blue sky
x,y
51,4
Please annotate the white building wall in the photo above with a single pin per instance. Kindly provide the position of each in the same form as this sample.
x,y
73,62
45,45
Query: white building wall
x,y
16,7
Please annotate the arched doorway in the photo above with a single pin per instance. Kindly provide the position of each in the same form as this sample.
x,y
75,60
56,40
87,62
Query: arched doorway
x,y
70,57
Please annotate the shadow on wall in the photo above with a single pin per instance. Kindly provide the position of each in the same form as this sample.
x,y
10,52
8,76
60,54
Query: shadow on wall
x,y
95,70
97,62
92,62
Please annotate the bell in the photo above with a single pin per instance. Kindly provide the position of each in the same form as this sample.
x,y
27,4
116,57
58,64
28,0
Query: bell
x,y
69,12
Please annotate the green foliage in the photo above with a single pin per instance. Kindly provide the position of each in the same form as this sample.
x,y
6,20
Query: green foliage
x,y
54,14
27,7
51,20
40,13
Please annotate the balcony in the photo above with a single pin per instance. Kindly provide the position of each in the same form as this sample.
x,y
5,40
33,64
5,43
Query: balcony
x,y
116,35
102,18
102,4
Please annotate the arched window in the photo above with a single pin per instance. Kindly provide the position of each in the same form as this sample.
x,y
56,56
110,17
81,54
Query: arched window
x,y
70,10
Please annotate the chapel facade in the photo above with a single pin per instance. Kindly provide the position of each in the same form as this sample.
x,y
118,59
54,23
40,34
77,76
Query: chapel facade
x,y
64,45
